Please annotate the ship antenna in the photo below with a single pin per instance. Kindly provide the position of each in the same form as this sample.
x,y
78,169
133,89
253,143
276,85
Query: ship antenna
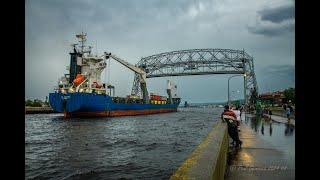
x,y
96,47
82,38
82,42
109,68
90,47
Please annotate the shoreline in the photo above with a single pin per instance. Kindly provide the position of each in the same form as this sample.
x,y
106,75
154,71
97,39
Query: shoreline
x,y
39,110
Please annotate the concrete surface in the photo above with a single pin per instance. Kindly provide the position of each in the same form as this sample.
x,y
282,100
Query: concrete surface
x,y
209,159
281,119
281,113
267,151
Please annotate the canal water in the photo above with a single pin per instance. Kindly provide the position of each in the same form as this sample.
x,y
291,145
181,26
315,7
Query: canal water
x,y
136,147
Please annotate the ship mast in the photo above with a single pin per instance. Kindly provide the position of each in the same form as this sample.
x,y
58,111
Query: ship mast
x,y
82,40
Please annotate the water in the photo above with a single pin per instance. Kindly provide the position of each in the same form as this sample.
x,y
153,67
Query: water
x,y
136,147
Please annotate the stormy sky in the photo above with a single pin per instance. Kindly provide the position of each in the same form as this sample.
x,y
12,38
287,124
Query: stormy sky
x,y
132,29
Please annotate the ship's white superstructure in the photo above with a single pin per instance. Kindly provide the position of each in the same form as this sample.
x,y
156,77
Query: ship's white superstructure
x,y
89,67
85,73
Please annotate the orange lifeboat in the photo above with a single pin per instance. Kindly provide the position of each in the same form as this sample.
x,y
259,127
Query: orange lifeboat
x,y
78,80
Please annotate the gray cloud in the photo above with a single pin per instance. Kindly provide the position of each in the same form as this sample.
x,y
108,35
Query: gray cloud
x,y
139,28
280,69
274,21
272,29
276,77
278,14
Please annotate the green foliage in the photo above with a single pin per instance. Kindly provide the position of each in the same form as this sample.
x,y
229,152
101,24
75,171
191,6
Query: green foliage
x,y
254,96
34,103
28,102
290,94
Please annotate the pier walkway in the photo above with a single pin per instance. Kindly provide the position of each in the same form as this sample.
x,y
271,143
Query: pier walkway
x,y
267,151
281,119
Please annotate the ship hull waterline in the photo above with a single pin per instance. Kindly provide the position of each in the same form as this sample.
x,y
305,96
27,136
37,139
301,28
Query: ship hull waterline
x,y
118,113
101,105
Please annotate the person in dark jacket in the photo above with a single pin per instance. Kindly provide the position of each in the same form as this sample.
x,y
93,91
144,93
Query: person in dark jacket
x,y
231,119
270,113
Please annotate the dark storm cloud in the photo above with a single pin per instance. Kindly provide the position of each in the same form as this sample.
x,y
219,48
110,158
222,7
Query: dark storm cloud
x,y
287,70
277,14
276,77
107,17
137,28
76,11
274,21
272,30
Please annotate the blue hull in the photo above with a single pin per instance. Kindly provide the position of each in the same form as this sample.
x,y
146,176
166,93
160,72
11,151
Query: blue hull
x,y
91,103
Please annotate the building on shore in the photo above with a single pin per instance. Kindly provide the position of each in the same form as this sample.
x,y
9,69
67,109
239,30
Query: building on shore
x,y
274,98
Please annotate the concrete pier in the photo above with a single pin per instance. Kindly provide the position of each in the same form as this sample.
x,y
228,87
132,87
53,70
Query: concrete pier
x,y
280,119
209,159
267,151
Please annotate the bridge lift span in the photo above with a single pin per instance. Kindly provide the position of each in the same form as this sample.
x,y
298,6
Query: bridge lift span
x,y
199,62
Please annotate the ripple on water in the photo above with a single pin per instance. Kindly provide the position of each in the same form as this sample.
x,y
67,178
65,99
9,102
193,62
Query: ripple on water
x,y
138,147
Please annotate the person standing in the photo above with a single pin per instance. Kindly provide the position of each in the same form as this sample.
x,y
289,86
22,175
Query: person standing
x,y
228,114
237,113
230,118
284,108
270,114
262,128
288,112
291,109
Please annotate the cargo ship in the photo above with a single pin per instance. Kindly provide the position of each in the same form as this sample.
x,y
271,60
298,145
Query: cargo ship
x,y
81,92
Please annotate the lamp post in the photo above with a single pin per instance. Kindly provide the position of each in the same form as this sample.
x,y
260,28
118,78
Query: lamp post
x,y
229,85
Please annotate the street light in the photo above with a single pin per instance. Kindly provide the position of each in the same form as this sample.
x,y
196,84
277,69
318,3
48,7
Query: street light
x,y
229,85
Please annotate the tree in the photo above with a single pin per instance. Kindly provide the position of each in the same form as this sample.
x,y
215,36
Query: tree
x,y
28,102
290,94
254,96
35,103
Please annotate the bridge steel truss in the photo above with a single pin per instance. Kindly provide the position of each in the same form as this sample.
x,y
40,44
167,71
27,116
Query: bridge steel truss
x,y
199,62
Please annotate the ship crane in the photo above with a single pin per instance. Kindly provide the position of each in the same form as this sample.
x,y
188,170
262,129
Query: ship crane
x,y
142,74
